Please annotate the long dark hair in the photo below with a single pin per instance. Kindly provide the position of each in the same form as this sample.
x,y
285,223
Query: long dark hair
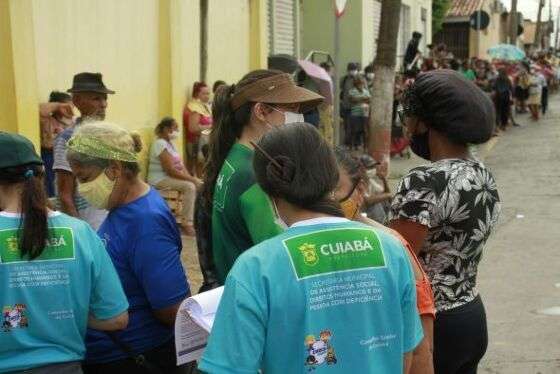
x,y
34,214
227,128
296,164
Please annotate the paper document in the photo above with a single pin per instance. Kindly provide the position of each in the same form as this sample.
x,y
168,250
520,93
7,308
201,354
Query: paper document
x,y
194,323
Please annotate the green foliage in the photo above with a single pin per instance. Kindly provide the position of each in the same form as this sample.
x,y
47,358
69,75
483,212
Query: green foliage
x,y
439,9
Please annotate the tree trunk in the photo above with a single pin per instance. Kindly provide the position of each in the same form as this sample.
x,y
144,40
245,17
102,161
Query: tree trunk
x,y
203,40
381,104
537,41
513,23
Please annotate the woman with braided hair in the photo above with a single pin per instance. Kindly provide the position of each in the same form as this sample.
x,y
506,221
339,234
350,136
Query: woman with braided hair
x,y
447,209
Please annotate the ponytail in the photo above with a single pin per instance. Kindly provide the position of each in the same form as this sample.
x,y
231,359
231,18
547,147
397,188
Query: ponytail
x,y
225,132
33,232
227,127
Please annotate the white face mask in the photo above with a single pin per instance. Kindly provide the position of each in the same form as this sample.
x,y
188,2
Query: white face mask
x,y
370,76
174,135
289,117
353,72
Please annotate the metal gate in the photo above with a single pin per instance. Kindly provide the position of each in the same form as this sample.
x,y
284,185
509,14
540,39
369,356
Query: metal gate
x,y
456,38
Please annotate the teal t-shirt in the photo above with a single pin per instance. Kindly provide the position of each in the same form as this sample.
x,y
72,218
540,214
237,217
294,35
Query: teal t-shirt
x,y
360,109
46,301
327,295
242,213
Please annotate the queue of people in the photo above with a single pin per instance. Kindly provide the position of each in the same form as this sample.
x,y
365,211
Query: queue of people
x,y
278,220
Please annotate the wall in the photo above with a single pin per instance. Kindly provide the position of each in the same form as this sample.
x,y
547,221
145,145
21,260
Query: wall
x,y
109,43
317,30
357,28
481,41
147,50
18,100
415,24
369,34
228,40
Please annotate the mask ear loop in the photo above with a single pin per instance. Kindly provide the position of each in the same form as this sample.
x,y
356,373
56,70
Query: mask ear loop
x,y
265,153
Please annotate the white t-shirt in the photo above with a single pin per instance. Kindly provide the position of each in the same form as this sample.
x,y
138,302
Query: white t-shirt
x,y
155,170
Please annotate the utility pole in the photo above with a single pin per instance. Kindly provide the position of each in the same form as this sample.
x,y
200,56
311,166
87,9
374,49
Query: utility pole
x,y
513,23
203,40
336,83
537,41
557,28
339,7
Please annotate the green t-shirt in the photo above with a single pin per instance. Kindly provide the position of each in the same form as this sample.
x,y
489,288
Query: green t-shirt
x,y
242,214
469,74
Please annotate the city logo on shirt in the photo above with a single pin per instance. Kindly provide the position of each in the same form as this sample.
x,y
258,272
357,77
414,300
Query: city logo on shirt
x,y
334,250
319,352
309,254
14,317
58,246
222,181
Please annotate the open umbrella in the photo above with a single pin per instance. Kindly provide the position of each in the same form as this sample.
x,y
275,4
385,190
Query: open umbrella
x,y
320,77
506,52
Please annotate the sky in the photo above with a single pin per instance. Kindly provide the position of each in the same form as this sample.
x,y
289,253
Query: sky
x,y
529,8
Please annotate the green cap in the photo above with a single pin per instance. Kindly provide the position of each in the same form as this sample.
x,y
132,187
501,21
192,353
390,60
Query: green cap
x,y
16,150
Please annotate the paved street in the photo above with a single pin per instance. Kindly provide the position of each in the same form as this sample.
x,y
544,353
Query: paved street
x,y
520,271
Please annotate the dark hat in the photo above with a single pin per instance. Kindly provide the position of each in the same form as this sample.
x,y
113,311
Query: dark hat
x,y
276,89
452,105
16,150
352,66
89,82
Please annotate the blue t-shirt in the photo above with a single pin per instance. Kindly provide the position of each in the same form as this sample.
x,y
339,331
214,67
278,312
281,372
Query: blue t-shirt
x,y
144,243
46,301
332,296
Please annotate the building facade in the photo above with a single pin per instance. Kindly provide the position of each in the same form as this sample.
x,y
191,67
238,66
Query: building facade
x,y
359,28
147,50
465,42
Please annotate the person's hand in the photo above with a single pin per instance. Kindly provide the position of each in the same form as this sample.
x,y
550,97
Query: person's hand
x,y
63,110
198,183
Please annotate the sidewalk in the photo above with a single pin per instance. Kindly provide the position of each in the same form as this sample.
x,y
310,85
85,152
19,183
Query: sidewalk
x,y
400,166
519,274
